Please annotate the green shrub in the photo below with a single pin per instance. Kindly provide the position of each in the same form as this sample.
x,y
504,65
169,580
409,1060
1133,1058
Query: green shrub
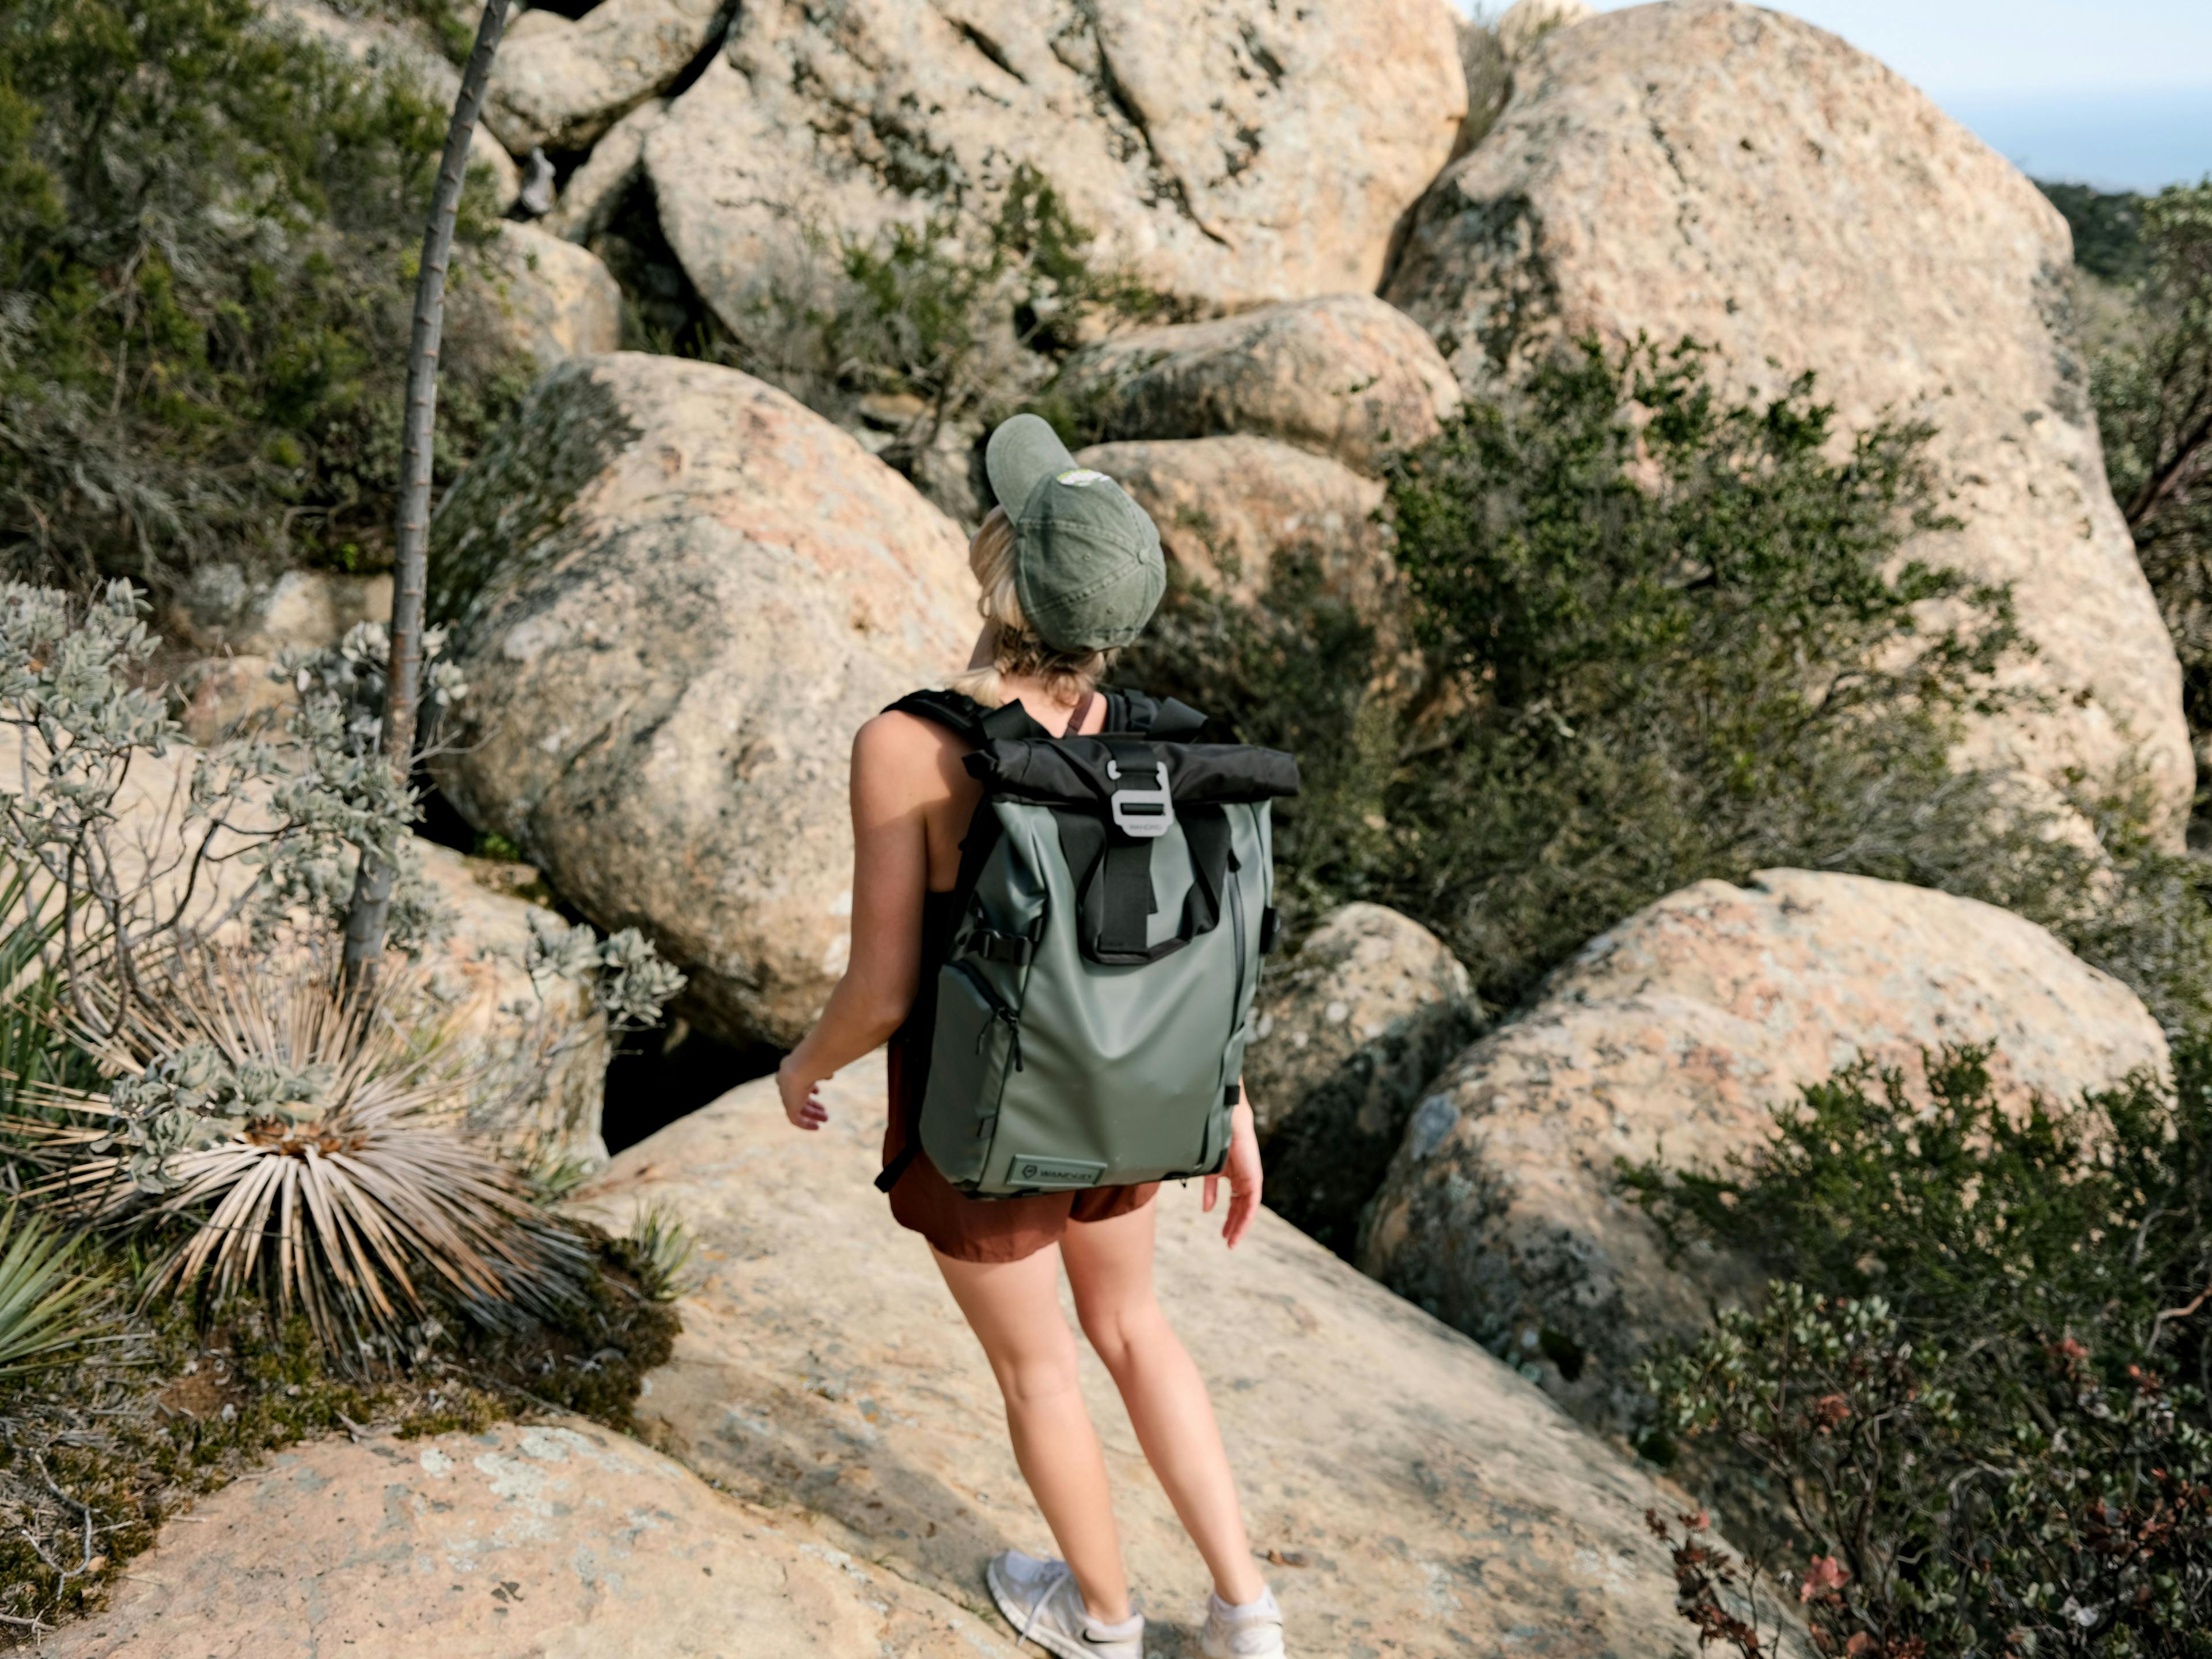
x,y
1679,640
2107,227
1979,1383
2153,397
1648,636
207,233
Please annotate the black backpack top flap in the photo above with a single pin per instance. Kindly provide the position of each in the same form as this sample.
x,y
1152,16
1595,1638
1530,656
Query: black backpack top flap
x,y
1089,772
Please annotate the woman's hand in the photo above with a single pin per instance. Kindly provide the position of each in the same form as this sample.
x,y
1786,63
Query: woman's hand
x,y
1242,1170
800,1103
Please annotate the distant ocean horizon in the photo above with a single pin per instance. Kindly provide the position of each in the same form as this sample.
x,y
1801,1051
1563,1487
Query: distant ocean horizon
x,y
2139,138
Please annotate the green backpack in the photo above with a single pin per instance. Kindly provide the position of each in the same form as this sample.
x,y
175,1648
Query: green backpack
x,y
1115,896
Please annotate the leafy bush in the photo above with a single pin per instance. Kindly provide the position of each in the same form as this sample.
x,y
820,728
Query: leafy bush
x,y
2107,227
1650,636
207,232
2153,398
1979,1383
254,831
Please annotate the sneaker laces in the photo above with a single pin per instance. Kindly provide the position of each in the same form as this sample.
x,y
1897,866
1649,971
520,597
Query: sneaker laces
x,y
1057,1574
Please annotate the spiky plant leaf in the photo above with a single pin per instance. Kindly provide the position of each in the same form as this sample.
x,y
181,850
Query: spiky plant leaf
x,y
43,1299
659,1249
304,1144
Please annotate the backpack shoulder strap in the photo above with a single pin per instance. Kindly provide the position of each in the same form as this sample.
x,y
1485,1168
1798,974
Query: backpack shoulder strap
x,y
951,709
1147,716
976,726
961,713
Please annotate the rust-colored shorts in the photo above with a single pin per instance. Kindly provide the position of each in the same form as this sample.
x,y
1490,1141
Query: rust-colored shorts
x,y
986,1228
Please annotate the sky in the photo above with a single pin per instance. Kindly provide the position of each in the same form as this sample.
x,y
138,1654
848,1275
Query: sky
x,y
2114,93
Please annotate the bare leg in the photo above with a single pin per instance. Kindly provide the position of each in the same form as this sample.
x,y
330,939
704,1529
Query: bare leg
x,y
1014,1307
1110,1264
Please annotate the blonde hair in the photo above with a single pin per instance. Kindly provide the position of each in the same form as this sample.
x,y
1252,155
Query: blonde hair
x,y
1016,652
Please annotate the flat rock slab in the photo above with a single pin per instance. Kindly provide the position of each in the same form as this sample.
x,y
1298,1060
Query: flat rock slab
x,y
1438,1505
556,1541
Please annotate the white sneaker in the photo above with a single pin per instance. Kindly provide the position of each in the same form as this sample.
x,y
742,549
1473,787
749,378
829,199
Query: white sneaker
x,y
1253,1631
1042,1604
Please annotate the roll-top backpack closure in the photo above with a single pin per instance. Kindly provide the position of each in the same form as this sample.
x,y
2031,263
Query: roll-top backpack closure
x,y
1114,799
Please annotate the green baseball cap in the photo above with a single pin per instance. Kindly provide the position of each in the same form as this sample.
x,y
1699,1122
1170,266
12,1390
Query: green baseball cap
x,y
1087,563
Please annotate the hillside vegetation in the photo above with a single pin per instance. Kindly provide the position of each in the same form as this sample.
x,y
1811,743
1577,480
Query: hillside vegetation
x,y
207,235
2147,276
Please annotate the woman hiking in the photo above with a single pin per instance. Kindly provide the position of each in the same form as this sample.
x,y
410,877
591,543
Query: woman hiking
x,y
1069,568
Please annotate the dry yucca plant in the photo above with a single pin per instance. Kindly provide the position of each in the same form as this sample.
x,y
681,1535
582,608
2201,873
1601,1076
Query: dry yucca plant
x,y
284,1137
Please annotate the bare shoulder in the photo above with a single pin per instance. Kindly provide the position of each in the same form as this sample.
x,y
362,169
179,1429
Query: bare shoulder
x,y
907,753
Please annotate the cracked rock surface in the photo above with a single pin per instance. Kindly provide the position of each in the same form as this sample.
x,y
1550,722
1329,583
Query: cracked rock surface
x,y
1671,1037
1229,152
1708,169
558,1539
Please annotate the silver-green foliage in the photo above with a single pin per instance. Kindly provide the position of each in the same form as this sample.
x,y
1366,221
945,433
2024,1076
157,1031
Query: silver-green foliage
x,y
629,982
248,830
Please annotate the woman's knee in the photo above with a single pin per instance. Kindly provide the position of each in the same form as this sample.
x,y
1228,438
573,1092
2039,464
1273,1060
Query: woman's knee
x,y
1040,1367
1121,1327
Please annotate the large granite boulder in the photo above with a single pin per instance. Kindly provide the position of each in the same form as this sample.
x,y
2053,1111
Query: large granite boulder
x,y
1228,509
1345,375
676,593
1226,152
558,1539
560,83
1350,1032
1672,1038
394,43
1711,169
543,297
1412,1495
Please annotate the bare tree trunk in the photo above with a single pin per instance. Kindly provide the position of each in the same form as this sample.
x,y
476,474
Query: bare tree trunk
x,y
371,887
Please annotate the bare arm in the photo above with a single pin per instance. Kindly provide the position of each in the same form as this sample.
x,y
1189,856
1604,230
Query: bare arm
x,y
896,780
1242,1169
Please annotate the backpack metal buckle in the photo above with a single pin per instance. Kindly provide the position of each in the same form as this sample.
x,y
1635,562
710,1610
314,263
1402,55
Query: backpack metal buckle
x,y
1141,814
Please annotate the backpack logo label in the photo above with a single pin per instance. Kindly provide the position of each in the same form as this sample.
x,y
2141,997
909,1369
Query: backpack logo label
x,y
1035,1170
